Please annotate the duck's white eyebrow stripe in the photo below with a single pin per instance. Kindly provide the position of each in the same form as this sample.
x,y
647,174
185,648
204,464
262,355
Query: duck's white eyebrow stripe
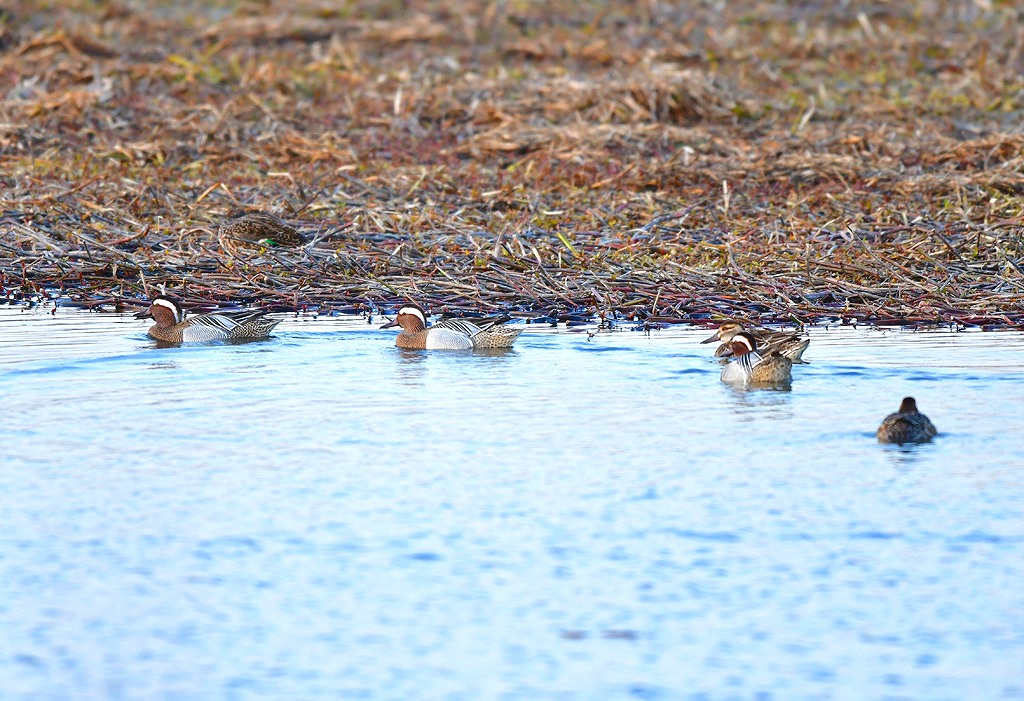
x,y
179,315
415,312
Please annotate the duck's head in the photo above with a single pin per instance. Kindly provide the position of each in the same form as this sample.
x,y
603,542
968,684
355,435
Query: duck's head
x,y
743,343
164,310
410,317
726,332
908,406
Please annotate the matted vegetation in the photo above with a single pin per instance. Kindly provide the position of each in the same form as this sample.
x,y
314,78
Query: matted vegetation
x,y
781,161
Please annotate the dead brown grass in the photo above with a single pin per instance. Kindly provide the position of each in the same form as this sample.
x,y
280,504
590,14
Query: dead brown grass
x,y
781,161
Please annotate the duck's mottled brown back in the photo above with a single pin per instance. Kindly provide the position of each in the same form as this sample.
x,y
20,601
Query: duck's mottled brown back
x,y
908,425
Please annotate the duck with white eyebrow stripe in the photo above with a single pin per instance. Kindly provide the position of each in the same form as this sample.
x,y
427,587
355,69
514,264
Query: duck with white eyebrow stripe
x,y
450,334
751,367
791,345
172,327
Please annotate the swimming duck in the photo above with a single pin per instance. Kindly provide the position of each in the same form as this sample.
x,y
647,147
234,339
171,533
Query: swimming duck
x,y
752,367
172,326
907,425
450,334
256,229
790,345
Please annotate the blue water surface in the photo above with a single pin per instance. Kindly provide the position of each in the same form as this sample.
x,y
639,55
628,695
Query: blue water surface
x,y
324,516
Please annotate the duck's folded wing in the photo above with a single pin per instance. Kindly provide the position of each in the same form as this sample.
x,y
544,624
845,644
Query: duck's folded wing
x,y
792,347
460,325
210,327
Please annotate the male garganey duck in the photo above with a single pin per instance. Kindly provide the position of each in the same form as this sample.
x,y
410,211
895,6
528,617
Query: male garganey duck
x,y
750,366
907,425
790,345
450,334
172,326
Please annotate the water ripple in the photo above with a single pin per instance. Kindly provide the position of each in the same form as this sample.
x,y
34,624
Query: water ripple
x,y
724,537
546,523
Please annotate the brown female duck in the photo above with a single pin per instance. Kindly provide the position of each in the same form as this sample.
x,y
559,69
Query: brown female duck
x,y
907,425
